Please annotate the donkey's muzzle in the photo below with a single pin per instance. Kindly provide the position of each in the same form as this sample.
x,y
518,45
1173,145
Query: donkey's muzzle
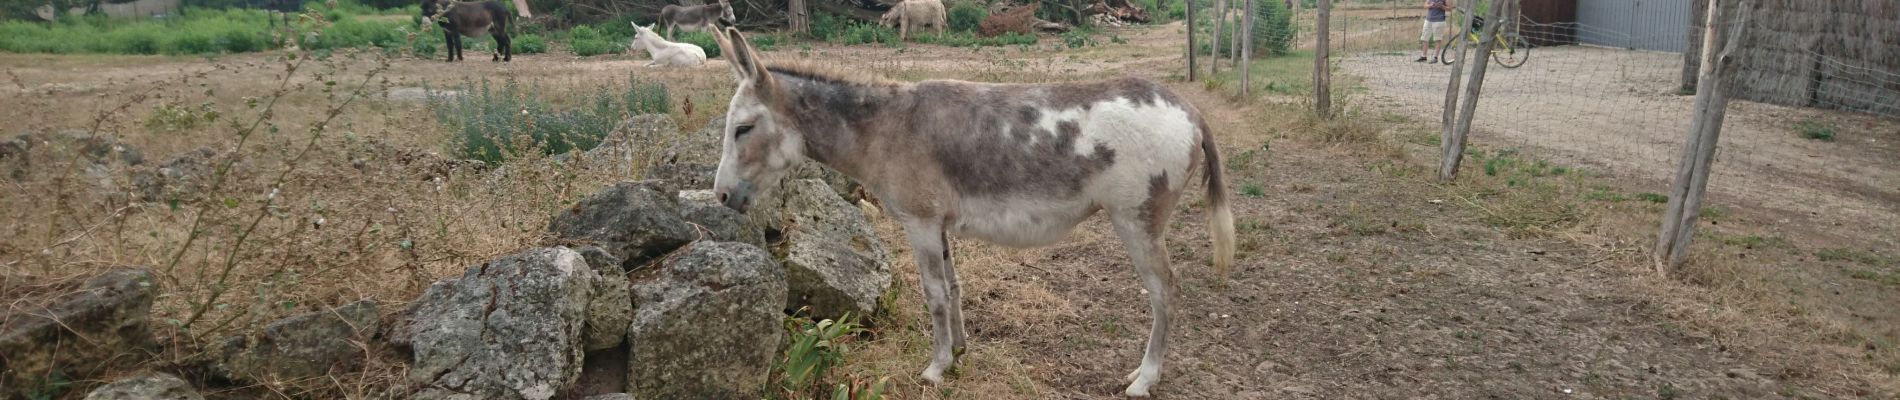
x,y
739,197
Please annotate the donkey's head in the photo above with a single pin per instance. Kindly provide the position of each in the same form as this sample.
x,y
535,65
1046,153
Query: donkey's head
x,y
725,12
759,146
432,11
643,33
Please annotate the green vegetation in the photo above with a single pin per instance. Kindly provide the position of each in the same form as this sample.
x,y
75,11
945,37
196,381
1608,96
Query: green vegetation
x,y
1815,130
1253,189
196,30
587,41
530,44
496,124
967,39
814,348
172,116
965,15
1272,31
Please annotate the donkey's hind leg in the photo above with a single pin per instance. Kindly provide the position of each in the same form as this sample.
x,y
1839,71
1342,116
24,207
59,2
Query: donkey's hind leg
x,y
927,244
1144,235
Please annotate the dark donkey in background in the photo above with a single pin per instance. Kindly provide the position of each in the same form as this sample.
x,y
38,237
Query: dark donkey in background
x,y
474,20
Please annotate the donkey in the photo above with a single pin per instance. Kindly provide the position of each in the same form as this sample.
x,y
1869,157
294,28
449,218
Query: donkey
x,y
910,13
665,53
696,18
1017,165
474,20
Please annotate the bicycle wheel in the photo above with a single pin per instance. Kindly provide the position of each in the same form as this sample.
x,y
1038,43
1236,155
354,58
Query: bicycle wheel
x,y
1448,53
1513,52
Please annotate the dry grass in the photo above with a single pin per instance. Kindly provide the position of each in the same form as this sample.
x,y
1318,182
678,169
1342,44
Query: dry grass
x,y
1345,225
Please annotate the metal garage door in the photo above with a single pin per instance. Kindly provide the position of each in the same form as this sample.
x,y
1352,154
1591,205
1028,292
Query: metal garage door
x,y
1661,25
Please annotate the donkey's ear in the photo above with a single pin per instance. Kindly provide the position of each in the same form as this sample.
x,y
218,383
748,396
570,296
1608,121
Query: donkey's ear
x,y
732,56
744,59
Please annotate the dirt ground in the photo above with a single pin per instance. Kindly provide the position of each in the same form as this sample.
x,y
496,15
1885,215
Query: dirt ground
x,y
1360,277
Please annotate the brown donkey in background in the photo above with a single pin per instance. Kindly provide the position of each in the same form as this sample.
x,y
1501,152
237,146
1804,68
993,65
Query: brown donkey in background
x,y
475,20
696,18
1012,164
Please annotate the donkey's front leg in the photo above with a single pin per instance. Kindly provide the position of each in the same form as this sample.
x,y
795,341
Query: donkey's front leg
x,y
927,244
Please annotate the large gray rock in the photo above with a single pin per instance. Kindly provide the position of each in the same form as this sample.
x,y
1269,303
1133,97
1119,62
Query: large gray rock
x,y
611,308
833,259
699,147
841,185
301,347
674,178
633,221
706,324
153,386
511,328
716,221
78,333
183,176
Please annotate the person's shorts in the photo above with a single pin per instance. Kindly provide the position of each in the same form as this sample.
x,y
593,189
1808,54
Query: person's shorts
x,y
1434,30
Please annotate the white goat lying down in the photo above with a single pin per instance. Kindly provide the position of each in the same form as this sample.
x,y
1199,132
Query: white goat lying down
x,y
666,54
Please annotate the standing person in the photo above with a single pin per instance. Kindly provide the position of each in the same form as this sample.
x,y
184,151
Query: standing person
x,y
1435,11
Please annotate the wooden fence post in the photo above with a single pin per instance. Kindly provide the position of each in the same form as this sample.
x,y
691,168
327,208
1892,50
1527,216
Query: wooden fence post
x,y
1454,144
1457,76
1698,153
1193,70
1322,55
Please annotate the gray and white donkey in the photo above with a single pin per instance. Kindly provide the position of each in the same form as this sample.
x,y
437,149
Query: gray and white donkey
x,y
696,18
1013,164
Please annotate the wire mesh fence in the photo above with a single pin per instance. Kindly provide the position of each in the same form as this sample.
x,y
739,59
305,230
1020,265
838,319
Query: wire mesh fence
x,y
1817,141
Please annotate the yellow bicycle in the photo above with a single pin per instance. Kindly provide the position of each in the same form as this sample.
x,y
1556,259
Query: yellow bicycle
x,y
1511,51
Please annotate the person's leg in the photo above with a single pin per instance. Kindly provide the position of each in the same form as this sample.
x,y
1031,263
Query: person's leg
x,y
1424,42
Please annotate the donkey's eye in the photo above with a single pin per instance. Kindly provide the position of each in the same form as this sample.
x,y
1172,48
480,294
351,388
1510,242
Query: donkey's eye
x,y
741,131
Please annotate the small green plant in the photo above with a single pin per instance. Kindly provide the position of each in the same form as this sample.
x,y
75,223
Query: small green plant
x,y
1253,189
1077,39
815,347
1815,130
1652,197
172,116
530,44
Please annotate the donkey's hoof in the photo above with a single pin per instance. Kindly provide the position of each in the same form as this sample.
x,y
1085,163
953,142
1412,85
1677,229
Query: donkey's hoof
x,y
933,374
1141,384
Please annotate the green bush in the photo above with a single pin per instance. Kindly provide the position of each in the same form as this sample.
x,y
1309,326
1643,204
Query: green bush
x,y
825,26
864,33
192,31
358,33
1815,130
530,44
587,41
965,15
705,41
423,48
494,124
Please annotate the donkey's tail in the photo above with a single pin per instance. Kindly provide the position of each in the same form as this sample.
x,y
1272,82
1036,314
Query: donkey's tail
x,y
1221,221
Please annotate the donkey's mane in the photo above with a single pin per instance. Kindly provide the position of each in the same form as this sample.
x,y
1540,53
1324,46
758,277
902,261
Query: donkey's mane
x,y
805,70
